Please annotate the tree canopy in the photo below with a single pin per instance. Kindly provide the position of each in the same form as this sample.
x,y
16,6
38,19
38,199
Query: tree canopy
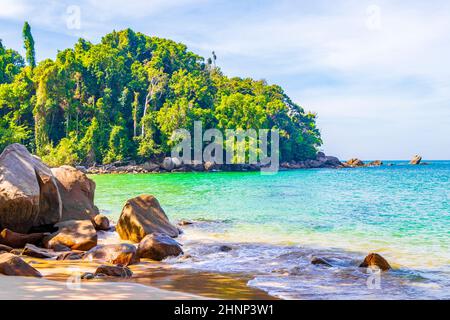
x,y
123,97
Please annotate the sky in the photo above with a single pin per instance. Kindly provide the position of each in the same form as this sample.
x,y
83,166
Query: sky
x,y
377,73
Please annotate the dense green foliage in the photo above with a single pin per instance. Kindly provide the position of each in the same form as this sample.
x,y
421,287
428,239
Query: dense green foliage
x,y
122,98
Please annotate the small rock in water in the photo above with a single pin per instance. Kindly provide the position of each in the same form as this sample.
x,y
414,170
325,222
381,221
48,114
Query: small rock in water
x,y
374,259
101,222
185,222
158,246
416,160
88,276
114,271
319,260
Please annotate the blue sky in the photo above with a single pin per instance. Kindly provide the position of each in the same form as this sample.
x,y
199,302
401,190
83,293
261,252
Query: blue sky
x,y
376,72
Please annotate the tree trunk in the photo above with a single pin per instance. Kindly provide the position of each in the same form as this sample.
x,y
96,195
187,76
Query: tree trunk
x,y
147,99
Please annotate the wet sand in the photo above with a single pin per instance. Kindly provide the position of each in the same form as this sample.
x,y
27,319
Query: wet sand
x,y
157,275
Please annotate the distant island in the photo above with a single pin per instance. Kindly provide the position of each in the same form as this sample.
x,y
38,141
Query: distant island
x,y
121,99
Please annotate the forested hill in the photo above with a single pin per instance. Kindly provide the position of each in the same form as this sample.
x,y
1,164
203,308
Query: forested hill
x,y
122,98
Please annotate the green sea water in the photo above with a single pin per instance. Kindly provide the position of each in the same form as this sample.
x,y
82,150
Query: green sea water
x,y
278,222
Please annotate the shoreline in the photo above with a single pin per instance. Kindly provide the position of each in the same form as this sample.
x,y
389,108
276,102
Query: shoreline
x,y
162,280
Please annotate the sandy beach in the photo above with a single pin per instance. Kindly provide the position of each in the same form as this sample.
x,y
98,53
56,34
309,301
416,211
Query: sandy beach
x,y
43,289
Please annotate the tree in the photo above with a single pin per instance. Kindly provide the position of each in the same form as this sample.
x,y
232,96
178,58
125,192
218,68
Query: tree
x,y
29,45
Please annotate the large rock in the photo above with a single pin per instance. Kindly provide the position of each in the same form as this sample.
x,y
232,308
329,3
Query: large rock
x,y
158,247
416,160
77,235
142,216
29,196
328,161
121,254
77,194
11,265
19,240
375,260
355,162
168,164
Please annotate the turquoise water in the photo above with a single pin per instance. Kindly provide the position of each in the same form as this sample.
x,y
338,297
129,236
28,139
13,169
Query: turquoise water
x,y
276,223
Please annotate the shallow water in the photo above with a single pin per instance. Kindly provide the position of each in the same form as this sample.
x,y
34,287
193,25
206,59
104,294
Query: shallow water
x,y
275,224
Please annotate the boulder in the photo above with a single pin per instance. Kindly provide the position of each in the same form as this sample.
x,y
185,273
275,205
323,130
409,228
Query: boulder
x,y
177,163
142,216
114,271
319,260
416,160
77,235
31,250
374,259
376,163
123,254
11,265
19,240
101,222
77,194
29,196
168,164
158,247
150,166
355,162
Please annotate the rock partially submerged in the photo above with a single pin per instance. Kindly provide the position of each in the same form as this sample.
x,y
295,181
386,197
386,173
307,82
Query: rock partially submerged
x,y
29,196
77,194
416,160
113,271
19,240
11,265
158,247
141,216
120,254
375,260
320,261
355,162
77,235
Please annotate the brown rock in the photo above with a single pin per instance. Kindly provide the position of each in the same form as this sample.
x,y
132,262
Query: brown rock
x,y
355,163
158,247
142,216
77,194
101,222
376,163
123,254
19,240
31,250
29,196
77,235
114,271
416,160
374,259
12,265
